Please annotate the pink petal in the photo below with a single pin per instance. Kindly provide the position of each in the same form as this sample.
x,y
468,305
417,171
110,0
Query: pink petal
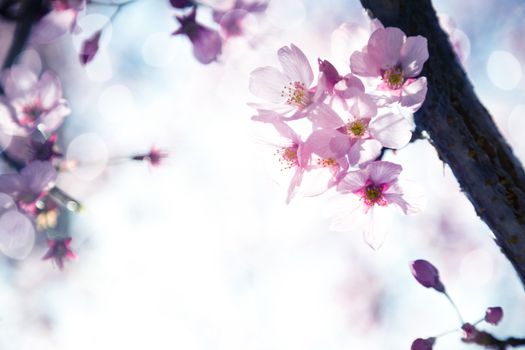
x,y
364,65
378,224
382,172
53,26
327,143
412,200
348,213
362,106
414,54
353,181
17,235
363,151
413,94
385,46
322,116
268,84
295,65
39,176
50,89
6,203
10,183
277,121
392,130
52,120
18,80
294,184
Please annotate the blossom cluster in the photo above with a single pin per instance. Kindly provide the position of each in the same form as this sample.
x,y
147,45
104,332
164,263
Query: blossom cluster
x,y
207,42
338,128
32,109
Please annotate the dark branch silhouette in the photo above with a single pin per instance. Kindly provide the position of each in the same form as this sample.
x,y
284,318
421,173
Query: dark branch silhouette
x,y
462,130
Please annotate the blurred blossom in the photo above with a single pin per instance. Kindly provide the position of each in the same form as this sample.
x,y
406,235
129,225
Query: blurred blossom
x,y
493,315
423,344
30,185
59,250
231,21
207,44
90,48
32,103
59,21
427,275
154,156
179,4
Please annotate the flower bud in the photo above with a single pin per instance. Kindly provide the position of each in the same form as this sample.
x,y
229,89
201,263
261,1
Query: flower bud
x,y
423,344
493,315
427,275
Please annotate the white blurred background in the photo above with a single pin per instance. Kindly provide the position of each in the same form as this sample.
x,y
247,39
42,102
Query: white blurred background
x,y
202,252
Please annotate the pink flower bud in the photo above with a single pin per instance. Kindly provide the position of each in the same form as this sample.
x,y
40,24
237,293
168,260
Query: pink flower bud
x,y
493,315
470,333
423,344
427,275
89,48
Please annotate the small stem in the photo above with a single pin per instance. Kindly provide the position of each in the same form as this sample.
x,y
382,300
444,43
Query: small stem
x,y
447,332
455,307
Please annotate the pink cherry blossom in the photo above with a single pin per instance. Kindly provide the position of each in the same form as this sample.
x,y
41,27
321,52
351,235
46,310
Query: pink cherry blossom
x,y
207,44
362,136
288,89
232,20
30,185
366,193
31,103
155,156
290,152
493,315
397,61
59,250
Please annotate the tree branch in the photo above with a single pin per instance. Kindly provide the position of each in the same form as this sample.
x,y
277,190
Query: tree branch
x,y
462,130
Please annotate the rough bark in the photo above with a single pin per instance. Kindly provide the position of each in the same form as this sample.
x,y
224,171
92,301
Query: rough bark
x,y
462,130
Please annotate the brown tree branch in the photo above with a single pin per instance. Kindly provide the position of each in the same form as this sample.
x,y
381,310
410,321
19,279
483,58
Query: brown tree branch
x,y
462,130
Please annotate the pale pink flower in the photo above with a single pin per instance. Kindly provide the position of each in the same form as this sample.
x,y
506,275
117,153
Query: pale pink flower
x,y
30,185
289,89
31,103
290,151
207,43
154,157
233,20
59,250
362,136
397,61
365,195
17,233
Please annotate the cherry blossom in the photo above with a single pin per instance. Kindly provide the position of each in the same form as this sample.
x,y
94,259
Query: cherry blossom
x,y
30,185
207,44
366,193
59,250
396,61
60,20
31,103
288,89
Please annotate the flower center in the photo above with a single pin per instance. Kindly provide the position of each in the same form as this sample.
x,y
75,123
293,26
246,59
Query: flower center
x,y
327,162
373,194
297,95
393,77
356,128
30,113
288,156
